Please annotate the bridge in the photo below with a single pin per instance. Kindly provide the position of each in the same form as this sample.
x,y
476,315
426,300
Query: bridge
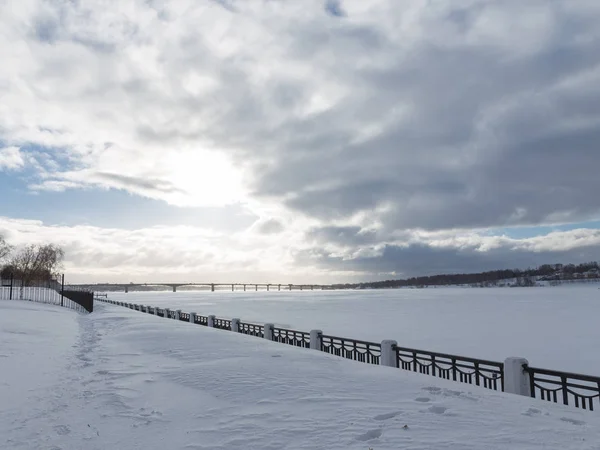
x,y
245,286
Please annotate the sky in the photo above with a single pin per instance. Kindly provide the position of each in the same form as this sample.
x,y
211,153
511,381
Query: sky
x,y
285,141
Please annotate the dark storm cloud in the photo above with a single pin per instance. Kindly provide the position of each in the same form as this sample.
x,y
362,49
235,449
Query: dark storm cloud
x,y
473,135
342,235
420,259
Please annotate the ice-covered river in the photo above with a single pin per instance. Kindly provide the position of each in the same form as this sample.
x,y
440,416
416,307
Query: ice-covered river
x,y
554,327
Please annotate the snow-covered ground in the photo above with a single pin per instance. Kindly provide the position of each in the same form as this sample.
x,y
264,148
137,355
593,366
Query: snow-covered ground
x,y
554,328
119,379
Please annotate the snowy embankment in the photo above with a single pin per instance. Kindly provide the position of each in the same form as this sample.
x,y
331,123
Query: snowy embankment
x,y
120,379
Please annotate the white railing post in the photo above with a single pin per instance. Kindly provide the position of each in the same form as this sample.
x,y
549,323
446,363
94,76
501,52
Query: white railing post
x,y
388,353
516,378
211,321
177,314
192,317
167,311
235,325
269,331
316,340
156,311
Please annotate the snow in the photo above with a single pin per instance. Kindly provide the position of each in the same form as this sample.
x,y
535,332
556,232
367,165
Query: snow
x,y
554,328
122,379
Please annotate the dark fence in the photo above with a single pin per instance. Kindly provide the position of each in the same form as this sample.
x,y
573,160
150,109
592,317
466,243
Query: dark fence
x,y
85,299
202,320
291,337
252,329
581,391
362,351
488,374
222,324
48,290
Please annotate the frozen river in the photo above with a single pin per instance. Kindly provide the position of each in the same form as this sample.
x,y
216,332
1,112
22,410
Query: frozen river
x,y
555,328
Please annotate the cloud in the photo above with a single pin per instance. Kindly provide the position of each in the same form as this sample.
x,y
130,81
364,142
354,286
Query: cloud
x,y
11,158
188,253
435,253
357,134
269,226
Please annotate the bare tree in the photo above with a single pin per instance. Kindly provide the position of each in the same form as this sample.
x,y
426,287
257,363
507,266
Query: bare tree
x,y
36,262
5,249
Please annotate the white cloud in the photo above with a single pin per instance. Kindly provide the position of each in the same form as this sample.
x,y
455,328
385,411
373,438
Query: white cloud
x,y
401,120
11,158
186,253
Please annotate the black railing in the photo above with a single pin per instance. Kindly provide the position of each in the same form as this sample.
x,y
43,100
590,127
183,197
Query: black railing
x,y
252,329
201,320
581,391
488,374
362,351
291,337
51,290
222,324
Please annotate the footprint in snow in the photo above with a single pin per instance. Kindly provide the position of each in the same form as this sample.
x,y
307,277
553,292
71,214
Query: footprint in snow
x,y
422,399
433,389
532,412
437,409
62,430
573,421
370,435
387,415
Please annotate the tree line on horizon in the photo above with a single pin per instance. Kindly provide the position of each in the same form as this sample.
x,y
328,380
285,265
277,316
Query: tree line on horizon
x,y
30,264
525,277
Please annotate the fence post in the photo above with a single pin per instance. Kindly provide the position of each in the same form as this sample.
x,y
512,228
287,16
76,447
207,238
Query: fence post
x,y
211,321
156,310
62,290
192,317
316,340
269,331
177,314
167,311
516,378
388,353
235,325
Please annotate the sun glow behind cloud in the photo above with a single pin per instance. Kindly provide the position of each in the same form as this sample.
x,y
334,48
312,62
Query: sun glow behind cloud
x,y
359,136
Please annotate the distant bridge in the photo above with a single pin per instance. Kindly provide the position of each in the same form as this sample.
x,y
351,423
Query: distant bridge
x,y
212,286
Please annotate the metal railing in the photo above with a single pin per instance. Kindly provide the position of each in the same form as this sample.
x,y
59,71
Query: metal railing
x,y
362,351
581,391
201,320
51,290
291,337
488,374
222,324
252,329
